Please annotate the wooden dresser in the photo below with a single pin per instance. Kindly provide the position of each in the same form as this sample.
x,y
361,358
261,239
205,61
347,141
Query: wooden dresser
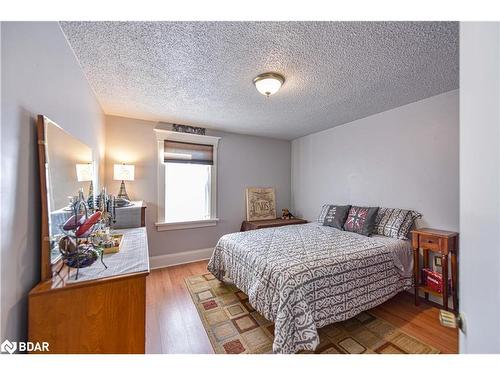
x,y
104,311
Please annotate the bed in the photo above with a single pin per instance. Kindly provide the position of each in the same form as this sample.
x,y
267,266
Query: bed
x,y
303,277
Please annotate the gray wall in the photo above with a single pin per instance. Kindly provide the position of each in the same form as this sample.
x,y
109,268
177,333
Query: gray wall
x,y
40,75
243,161
406,157
480,186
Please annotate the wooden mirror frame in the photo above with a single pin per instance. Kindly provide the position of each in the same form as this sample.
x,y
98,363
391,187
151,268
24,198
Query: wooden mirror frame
x,y
46,263
50,262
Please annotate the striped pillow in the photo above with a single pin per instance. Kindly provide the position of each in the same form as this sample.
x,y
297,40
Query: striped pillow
x,y
395,222
323,212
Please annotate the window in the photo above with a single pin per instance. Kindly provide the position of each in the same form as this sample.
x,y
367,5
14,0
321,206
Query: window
x,y
187,165
187,192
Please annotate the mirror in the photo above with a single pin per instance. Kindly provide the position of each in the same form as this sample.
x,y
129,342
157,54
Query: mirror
x,y
66,166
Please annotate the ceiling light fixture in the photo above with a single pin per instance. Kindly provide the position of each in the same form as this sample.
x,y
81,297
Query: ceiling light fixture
x,y
268,83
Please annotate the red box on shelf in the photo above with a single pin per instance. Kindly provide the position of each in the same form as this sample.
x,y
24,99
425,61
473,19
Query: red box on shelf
x,y
433,280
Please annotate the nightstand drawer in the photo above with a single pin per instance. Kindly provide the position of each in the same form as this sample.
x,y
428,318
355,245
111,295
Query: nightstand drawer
x,y
429,242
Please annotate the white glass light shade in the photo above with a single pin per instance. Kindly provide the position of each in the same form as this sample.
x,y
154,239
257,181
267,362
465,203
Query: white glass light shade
x,y
84,172
268,83
123,172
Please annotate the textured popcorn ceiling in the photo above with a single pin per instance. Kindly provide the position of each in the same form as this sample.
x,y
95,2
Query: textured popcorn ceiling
x,y
200,73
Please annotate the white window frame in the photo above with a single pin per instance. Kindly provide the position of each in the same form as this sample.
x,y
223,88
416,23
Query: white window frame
x,y
161,136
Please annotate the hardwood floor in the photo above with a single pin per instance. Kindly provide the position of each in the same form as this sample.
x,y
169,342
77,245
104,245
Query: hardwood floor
x,y
420,321
173,324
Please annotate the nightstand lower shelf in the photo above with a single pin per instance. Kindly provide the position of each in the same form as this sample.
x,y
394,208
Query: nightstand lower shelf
x,y
426,289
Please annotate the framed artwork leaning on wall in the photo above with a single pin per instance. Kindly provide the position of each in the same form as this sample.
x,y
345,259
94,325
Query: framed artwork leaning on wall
x,y
261,203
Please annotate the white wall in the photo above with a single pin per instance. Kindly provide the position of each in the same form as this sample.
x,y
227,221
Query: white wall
x,y
479,266
406,157
40,75
242,161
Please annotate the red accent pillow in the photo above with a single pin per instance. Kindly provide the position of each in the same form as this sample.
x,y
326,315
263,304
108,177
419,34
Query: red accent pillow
x,y
361,220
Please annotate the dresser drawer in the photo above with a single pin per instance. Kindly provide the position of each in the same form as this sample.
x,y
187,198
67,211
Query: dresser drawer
x,y
428,242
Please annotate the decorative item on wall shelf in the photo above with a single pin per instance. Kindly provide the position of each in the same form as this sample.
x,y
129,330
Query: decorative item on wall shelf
x,y
261,203
188,129
123,172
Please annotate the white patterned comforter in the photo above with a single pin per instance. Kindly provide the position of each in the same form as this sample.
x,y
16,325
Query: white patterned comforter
x,y
304,277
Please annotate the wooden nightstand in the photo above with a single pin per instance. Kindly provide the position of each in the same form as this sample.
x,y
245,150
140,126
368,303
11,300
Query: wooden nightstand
x,y
446,244
250,225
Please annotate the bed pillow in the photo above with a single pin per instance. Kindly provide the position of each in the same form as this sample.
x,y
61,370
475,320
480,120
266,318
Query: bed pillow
x,y
395,222
336,215
361,220
322,213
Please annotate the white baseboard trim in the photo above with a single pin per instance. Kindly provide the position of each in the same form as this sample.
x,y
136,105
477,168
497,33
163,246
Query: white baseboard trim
x,y
167,260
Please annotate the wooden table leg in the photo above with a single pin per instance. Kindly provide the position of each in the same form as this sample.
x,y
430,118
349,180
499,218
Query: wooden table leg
x,y
444,265
416,277
454,281
425,265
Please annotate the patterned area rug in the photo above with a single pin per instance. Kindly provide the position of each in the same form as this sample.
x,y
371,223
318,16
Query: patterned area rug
x,y
234,326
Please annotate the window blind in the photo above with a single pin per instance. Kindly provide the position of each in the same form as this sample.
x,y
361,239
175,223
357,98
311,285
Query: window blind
x,y
188,153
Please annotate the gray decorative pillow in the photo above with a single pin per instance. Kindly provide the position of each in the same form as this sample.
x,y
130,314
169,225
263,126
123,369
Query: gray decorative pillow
x,y
335,216
395,222
322,213
361,220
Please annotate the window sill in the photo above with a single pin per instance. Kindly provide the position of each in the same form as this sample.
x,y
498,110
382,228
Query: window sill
x,y
160,227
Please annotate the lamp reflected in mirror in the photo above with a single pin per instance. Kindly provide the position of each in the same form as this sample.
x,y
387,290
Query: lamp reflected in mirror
x,y
85,173
123,172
